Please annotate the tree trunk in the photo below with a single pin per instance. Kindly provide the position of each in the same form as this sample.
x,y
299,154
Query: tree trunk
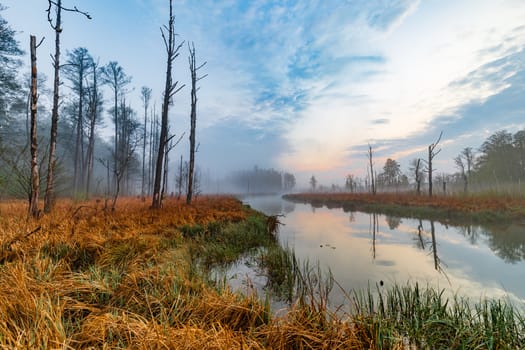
x,y
431,155
146,95
430,171
372,180
179,182
169,91
115,161
193,121
49,199
35,179
93,110
79,154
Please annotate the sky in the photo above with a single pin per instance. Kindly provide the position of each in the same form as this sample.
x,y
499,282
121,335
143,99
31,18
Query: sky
x,y
306,86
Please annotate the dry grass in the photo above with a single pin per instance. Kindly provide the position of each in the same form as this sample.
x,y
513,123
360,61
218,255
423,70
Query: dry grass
x,y
86,278
477,206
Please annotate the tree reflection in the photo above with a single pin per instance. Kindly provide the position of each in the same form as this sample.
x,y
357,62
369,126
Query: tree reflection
x,y
422,244
351,216
393,222
506,240
470,232
374,227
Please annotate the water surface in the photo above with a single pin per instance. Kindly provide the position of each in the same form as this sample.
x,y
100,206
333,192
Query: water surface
x,y
364,249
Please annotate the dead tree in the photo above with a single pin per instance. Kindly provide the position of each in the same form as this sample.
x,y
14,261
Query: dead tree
x,y
193,116
170,90
146,96
114,76
35,177
179,180
417,175
49,197
464,163
372,181
76,70
94,102
431,154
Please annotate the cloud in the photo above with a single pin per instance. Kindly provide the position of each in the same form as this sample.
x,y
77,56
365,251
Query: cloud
x,y
310,82
384,15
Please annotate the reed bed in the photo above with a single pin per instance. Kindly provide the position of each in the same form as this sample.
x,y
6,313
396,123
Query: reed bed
x,y
86,278
479,207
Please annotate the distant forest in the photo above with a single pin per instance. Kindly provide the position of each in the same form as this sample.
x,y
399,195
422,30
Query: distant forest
x,y
257,181
498,164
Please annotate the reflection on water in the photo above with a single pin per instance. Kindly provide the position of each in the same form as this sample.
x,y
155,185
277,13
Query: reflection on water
x,y
362,249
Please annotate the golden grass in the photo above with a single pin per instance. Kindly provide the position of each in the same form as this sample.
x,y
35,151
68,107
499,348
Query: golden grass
x,y
511,206
83,277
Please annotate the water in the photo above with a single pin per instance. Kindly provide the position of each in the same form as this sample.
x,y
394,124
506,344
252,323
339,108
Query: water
x,y
364,249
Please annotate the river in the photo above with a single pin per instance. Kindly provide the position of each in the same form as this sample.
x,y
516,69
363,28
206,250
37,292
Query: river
x,y
363,249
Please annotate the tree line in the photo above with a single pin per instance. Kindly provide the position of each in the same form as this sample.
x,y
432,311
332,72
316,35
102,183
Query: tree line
x,y
498,164
68,147
259,180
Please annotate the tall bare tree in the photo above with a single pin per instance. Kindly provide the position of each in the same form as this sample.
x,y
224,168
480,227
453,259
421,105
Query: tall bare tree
x,y
372,175
114,76
94,109
464,162
153,147
56,25
416,168
146,97
431,154
170,89
193,116
35,178
78,65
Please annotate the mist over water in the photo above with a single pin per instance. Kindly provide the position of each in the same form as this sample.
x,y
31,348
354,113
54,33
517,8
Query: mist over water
x,y
364,249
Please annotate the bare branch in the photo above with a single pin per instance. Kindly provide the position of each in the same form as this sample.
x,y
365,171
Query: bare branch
x,y
178,89
74,9
202,65
164,39
204,76
40,43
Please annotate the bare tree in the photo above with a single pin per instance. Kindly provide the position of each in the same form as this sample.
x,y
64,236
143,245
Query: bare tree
x,y
114,76
464,162
313,183
153,146
35,178
415,166
179,179
76,70
57,27
129,139
146,97
431,154
170,90
94,107
194,79
372,175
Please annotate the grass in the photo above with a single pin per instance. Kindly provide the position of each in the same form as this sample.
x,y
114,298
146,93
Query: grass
x,y
426,319
136,278
481,208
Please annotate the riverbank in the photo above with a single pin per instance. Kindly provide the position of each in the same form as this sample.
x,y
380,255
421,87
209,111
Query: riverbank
x,y
447,209
138,278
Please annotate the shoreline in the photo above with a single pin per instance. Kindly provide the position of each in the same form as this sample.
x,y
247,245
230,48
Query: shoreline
x,y
447,209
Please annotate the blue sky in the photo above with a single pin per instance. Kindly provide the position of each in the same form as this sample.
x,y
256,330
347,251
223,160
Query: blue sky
x,y
305,86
